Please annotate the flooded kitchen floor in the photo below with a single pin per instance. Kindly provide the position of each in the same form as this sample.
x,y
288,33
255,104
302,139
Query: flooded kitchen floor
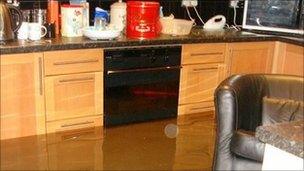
x,y
185,143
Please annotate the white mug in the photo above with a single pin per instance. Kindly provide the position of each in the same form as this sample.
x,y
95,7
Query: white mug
x,y
35,31
23,31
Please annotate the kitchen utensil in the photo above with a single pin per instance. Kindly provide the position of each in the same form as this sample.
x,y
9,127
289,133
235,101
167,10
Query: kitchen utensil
x,y
108,33
101,19
26,14
50,28
35,31
143,19
215,23
118,15
39,16
71,20
173,26
7,28
23,31
182,27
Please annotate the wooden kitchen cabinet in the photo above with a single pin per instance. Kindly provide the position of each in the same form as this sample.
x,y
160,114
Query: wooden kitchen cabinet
x,y
73,89
198,83
203,68
74,95
22,95
288,59
250,57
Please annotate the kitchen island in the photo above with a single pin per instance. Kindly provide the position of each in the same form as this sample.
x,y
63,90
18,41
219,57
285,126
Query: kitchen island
x,y
284,145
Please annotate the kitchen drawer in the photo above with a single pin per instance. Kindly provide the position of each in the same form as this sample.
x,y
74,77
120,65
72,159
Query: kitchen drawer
x,y
196,108
74,95
74,124
73,61
203,53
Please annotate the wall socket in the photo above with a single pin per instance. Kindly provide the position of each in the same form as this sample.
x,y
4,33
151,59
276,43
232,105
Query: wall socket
x,y
236,3
189,3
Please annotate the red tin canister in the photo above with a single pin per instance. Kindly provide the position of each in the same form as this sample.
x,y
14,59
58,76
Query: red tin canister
x,y
143,19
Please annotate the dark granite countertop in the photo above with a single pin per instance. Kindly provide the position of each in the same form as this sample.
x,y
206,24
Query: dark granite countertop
x,y
196,36
285,136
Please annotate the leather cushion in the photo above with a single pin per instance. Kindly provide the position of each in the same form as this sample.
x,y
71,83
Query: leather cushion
x,y
281,110
245,144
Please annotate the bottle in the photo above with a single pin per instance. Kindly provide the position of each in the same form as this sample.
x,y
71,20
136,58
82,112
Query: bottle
x,y
53,14
100,19
86,14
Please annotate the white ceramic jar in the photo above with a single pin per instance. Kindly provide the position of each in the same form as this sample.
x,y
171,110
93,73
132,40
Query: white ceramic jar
x,y
118,15
71,20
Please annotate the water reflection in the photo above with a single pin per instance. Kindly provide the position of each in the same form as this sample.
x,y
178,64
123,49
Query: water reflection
x,y
144,146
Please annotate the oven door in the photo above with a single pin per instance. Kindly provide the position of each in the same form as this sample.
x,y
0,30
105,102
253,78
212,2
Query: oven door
x,y
141,94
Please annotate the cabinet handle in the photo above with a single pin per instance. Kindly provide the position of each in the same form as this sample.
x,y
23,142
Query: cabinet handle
x,y
76,62
197,108
76,79
205,54
204,69
142,70
40,75
75,124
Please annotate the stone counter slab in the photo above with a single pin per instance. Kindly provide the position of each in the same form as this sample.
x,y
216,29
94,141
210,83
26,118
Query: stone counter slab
x,y
285,136
196,36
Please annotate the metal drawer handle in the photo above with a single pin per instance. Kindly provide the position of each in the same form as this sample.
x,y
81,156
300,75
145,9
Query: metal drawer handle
x,y
75,124
76,79
76,62
40,76
204,54
144,69
204,69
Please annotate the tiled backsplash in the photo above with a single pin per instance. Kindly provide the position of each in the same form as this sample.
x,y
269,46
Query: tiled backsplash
x,y
206,8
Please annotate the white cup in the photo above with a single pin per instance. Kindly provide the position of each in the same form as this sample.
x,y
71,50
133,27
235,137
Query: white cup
x,y
35,31
23,31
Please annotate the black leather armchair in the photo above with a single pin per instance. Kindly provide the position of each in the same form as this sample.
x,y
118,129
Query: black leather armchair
x,y
242,103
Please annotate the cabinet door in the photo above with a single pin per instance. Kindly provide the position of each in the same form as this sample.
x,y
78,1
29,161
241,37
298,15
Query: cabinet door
x,y
289,59
247,58
22,96
198,83
71,96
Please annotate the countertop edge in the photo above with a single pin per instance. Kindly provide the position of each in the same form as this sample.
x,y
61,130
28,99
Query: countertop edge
x,y
113,44
110,44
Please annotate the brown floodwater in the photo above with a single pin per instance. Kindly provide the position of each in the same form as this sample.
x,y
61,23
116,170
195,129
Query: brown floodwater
x,y
186,143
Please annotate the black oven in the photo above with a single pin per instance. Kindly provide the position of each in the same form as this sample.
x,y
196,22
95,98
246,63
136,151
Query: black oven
x,y
141,84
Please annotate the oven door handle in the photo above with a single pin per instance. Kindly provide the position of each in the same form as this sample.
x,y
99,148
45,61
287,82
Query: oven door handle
x,y
142,69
